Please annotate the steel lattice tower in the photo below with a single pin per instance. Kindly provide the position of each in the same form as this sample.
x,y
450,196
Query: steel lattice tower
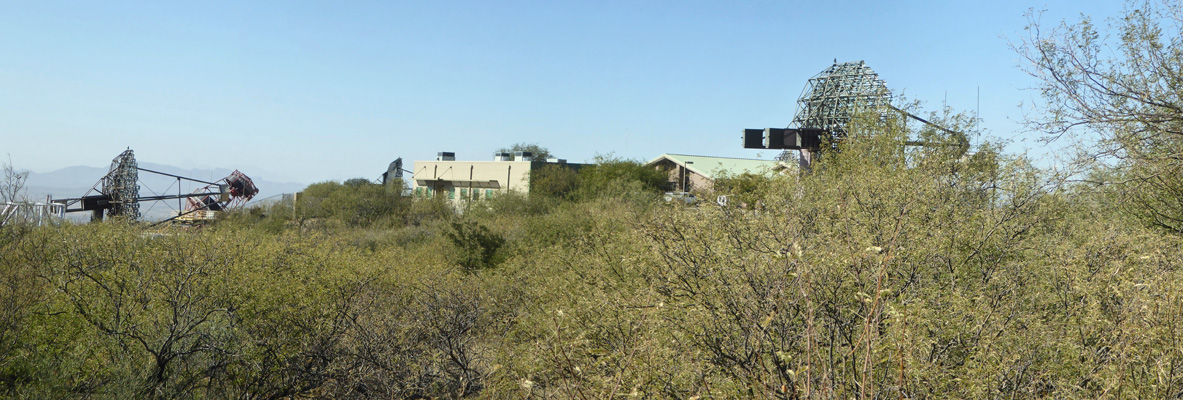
x,y
837,94
121,185
830,100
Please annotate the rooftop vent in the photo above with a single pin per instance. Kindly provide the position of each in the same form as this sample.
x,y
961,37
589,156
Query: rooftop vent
x,y
523,156
502,156
445,156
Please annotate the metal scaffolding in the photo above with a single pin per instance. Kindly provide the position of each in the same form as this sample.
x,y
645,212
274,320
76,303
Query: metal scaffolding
x,y
232,191
119,192
31,213
121,185
830,100
834,96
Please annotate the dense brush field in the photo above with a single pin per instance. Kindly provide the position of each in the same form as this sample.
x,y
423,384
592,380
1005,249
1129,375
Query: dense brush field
x,y
887,272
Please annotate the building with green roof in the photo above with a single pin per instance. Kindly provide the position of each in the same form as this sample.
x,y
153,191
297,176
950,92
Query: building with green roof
x,y
698,173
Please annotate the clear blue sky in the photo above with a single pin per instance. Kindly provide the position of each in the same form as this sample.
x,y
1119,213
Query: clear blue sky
x,y
309,91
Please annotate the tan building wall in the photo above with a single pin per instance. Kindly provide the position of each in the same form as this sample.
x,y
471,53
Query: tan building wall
x,y
460,180
700,183
682,179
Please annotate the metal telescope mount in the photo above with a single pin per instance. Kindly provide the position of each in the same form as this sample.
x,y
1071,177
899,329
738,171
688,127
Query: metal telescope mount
x,y
118,192
830,100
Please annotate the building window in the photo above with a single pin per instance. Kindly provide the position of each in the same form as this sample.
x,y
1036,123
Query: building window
x,y
451,193
418,191
488,193
464,193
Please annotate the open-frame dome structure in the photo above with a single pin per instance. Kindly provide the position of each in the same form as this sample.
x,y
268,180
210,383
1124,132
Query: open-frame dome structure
x,y
834,96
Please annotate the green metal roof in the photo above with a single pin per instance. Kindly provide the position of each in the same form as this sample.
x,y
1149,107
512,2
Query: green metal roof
x,y
712,166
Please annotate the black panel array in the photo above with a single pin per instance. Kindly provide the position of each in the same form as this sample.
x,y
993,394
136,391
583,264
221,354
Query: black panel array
x,y
782,138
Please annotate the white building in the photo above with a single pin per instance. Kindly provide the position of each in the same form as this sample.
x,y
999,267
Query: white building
x,y
475,180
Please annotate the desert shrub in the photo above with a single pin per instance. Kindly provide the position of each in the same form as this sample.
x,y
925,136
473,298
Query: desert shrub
x,y
357,203
615,177
512,204
1114,85
745,188
426,210
556,181
111,310
22,252
888,271
271,217
476,247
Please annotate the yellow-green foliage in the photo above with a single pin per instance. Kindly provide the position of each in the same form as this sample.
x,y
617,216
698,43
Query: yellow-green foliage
x,y
357,203
888,272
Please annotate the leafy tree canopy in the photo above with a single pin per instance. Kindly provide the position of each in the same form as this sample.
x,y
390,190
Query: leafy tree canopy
x,y
540,153
1121,83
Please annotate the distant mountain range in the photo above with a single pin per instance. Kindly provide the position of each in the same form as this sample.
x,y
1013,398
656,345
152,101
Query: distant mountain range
x,y
75,181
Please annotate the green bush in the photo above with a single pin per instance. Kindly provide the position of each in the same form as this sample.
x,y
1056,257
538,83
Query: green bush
x,y
475,245
357,203
556,181
610,176
888,271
